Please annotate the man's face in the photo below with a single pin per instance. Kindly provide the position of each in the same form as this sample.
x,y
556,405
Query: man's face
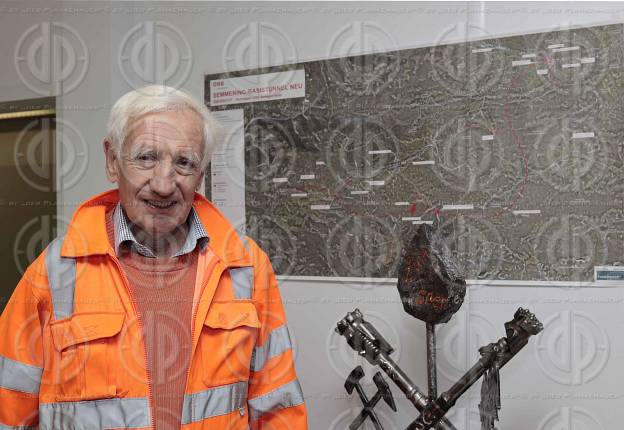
x,y
159,171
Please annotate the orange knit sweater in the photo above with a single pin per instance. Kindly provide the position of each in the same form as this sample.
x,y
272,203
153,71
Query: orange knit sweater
x,y
162,290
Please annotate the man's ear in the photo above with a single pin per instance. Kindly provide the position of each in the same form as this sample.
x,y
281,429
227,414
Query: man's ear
x,y
112,166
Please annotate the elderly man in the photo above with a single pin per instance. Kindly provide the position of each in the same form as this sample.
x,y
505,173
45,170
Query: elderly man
x,y
151,311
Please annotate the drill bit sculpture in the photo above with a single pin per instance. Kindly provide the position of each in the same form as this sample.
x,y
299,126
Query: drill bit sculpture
x,y
432,291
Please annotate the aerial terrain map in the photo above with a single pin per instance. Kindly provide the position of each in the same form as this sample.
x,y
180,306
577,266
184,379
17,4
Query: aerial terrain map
x,y
512,146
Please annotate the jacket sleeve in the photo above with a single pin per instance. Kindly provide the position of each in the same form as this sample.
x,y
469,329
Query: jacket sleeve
x,y
21,353
275,397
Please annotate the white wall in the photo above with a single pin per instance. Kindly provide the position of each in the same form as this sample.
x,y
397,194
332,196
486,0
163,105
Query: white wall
x,y
569,379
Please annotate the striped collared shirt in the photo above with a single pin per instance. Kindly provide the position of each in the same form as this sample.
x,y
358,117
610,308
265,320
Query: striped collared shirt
x,y
196,234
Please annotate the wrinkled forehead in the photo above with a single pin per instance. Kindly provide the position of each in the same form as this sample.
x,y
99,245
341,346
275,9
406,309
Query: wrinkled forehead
x,y
165,130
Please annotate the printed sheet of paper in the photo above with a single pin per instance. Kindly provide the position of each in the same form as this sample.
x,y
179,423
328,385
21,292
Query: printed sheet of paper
x,y
228,168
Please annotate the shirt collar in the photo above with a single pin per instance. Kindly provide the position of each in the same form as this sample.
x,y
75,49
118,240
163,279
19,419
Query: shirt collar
x,y
123,234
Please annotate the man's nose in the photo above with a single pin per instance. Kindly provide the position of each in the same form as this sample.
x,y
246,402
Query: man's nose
x,y
163,181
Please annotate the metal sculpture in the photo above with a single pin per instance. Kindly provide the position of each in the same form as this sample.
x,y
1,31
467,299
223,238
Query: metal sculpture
x,y
432,291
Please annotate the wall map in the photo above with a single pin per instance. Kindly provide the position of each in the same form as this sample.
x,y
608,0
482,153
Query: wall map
x,y
515,143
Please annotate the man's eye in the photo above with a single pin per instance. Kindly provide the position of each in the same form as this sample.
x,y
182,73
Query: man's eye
x,y
186,164
146,160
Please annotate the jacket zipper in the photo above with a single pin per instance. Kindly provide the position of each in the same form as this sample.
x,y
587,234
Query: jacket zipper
x,y
149,382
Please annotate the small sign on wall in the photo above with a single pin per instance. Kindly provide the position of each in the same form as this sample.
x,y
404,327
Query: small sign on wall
x,y
256,88
609,274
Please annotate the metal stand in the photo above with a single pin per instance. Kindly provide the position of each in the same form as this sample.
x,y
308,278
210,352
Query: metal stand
x,y
432,371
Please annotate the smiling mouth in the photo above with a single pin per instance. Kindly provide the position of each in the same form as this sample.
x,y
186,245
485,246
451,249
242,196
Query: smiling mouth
x,y
158,204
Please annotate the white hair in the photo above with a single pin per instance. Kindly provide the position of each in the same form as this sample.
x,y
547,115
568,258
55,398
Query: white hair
x,y
160,98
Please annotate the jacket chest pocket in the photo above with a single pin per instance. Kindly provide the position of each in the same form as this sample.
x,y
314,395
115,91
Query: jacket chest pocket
x,y
84,357
227,342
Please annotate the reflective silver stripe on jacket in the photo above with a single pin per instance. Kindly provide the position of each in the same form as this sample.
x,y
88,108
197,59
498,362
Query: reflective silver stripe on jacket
x,y
286,396
95,414
214,402
277,343
242,282
62,279
6,427
19,376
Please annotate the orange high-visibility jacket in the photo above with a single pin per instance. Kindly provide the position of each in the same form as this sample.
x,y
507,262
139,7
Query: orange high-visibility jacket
x,y
71,349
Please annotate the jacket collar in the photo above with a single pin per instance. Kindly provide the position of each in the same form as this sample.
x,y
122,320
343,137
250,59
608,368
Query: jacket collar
x,y
196,235
86,233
